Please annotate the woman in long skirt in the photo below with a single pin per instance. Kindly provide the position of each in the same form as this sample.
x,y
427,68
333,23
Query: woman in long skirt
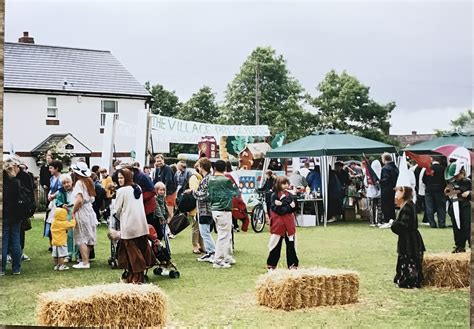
x,y
410,246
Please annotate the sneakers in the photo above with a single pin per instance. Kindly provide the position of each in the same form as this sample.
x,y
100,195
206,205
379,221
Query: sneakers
x,y
9,259
56,267
205,258
230,261
221,265
331,220
82,265
387,225
63,268
16,273
372,225
171,236
2,273
25,258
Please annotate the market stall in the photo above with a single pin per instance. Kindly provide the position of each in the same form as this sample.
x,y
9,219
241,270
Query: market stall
x,y
326,145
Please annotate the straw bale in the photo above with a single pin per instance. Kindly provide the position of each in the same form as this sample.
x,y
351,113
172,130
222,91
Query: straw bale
x,y
109,305
303,288
447,270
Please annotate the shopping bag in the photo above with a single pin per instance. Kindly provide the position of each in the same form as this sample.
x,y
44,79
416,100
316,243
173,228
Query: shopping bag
x,y
178,223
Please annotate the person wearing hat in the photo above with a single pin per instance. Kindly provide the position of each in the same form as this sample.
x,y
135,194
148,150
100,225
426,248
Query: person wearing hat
x,y
11,221
86,221
410,247
458,192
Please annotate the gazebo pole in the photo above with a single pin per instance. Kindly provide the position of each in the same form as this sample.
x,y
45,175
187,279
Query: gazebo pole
x,y
266,163
324,168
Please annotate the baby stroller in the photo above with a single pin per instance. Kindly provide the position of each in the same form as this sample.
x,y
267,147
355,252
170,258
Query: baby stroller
x,y
114,224
161,249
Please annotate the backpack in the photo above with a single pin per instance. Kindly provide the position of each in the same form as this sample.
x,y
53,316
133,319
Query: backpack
x,y
26,204
186,202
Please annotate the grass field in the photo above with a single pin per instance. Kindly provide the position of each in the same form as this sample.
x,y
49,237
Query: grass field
x,y
208,297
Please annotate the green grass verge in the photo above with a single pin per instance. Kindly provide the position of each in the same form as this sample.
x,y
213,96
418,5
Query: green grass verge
x,y
210,297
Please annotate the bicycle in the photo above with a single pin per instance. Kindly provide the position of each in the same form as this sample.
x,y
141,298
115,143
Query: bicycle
x,y
257,218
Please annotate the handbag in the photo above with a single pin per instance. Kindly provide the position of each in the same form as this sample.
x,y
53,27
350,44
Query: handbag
x,y
178,223
25,224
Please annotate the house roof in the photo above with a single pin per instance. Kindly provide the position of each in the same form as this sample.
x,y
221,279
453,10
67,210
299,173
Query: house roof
x,y
47,68
61,139
258,149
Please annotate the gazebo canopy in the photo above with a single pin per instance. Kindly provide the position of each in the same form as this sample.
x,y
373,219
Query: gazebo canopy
x,y
328,143
463,139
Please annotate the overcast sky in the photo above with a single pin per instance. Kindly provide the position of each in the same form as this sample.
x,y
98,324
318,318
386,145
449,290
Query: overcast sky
x,y
418,54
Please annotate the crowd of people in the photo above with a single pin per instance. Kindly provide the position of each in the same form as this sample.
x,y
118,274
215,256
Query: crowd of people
x,y
82,198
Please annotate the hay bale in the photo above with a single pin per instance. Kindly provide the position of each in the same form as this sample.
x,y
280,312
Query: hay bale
x,y
447,270
103,305
303,288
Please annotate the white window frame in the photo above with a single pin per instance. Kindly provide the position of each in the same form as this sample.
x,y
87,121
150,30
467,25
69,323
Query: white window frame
x,y
102,112
55,108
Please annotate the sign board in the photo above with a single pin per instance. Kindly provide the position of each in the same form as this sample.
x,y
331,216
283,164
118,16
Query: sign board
x,y
190,132
249,181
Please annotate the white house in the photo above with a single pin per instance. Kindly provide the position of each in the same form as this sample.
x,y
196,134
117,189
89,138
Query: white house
x,y
59,95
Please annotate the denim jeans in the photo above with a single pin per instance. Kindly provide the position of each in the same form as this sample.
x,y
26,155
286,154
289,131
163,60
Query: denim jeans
x,y
205,230
435,202
11,238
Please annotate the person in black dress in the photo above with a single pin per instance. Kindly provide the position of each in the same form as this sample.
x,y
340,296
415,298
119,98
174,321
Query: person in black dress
x,y
410,247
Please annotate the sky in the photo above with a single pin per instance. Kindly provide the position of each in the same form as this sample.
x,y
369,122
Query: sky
x,y
416,53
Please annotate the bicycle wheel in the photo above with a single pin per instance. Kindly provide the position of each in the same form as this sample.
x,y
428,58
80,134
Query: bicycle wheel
x,y
258,218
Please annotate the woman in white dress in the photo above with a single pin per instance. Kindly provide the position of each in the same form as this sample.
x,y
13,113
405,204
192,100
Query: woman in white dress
x,y
83,195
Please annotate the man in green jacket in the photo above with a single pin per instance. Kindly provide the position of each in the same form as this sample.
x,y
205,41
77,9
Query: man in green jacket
x,y
221,190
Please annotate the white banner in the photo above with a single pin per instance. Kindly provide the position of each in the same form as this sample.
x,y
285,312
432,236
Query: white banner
x,y
180,131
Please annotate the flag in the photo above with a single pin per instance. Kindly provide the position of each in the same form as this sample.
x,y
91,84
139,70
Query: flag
x,y
424,161
372,177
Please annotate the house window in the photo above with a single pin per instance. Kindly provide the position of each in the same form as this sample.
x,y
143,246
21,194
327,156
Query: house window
x,y
52,111
108,107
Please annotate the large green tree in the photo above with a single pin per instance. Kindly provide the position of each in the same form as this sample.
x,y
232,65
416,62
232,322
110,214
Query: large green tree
x,y
201,107
165,102
281,97
345,104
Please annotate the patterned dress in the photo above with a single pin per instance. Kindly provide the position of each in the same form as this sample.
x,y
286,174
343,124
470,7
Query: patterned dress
x,y
85,230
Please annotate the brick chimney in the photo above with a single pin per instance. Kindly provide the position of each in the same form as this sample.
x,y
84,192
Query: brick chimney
x,y
26,38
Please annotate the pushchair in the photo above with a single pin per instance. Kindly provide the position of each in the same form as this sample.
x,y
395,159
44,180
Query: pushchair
x,y
161,249
114,224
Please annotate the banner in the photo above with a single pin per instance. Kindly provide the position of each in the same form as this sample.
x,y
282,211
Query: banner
x,y
180,131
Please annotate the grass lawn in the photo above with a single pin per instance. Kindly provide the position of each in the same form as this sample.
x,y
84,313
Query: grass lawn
x,y
210,297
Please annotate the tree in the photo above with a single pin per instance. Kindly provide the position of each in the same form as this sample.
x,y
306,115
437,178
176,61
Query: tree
x,y
201,107
281,97
165,102
344,103
464,120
